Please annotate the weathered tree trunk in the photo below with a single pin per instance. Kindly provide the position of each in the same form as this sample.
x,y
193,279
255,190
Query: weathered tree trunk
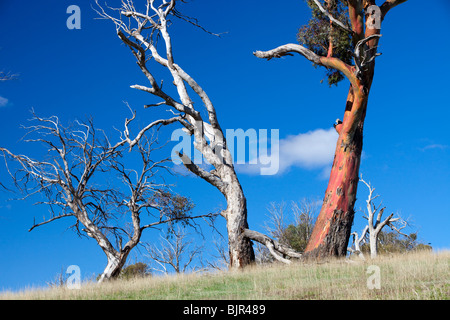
x,y
357,243
240,247
332,230
116,258
373,241
114,266
112,269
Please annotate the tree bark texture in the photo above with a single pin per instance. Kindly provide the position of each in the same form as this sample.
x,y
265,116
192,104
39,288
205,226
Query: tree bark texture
x,y
332,230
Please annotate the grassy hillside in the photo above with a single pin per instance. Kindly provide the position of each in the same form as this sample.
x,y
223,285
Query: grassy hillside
x,y
412,276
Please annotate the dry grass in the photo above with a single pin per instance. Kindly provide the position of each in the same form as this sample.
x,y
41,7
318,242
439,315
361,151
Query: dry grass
x,y
412,276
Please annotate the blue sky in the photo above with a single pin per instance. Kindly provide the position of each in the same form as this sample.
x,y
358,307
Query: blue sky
x,y
77,73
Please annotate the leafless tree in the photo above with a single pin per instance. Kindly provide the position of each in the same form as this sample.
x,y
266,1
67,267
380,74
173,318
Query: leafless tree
x,y
220,258
276,223
146,34
299,213
175,250
305,213
358,241
7,76
290,227
72,178
375,224
59,280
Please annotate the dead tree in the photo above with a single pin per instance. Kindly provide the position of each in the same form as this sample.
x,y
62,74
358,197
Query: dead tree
x,y
358,241
147,35
77,159
175,250
220,258
275,223
291,231
375,224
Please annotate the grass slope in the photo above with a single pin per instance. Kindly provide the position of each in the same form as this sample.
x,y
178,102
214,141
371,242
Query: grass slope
x,y
421,275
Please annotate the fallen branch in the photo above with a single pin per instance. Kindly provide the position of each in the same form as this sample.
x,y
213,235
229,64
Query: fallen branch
x,y
275,248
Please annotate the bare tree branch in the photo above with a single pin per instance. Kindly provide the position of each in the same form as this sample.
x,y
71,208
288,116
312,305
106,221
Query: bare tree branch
x,y
7,76
194,22
276,248
328,62
207,176
358,241
388,5
364,55
284,232
50,220
332,19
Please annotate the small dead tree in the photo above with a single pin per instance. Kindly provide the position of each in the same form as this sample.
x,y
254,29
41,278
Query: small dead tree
x,y
4,76
220,258
276,224
146,34
72,178
374,216
175,250
290,230
358,241
305,214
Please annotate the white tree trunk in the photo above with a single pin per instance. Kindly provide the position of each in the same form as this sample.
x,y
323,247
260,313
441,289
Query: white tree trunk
x,y
357,241
111,268
116,259
240,247
373,241
114,266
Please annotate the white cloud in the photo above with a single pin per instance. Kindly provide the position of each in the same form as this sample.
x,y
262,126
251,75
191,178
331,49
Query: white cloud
x,y
3,102
311,150
434,146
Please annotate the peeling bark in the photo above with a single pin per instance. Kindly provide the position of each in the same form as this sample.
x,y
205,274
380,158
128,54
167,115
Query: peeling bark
x,y
333,226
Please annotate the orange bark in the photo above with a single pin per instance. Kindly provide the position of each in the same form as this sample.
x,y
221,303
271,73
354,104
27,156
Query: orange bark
x,y
331,232
332,229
